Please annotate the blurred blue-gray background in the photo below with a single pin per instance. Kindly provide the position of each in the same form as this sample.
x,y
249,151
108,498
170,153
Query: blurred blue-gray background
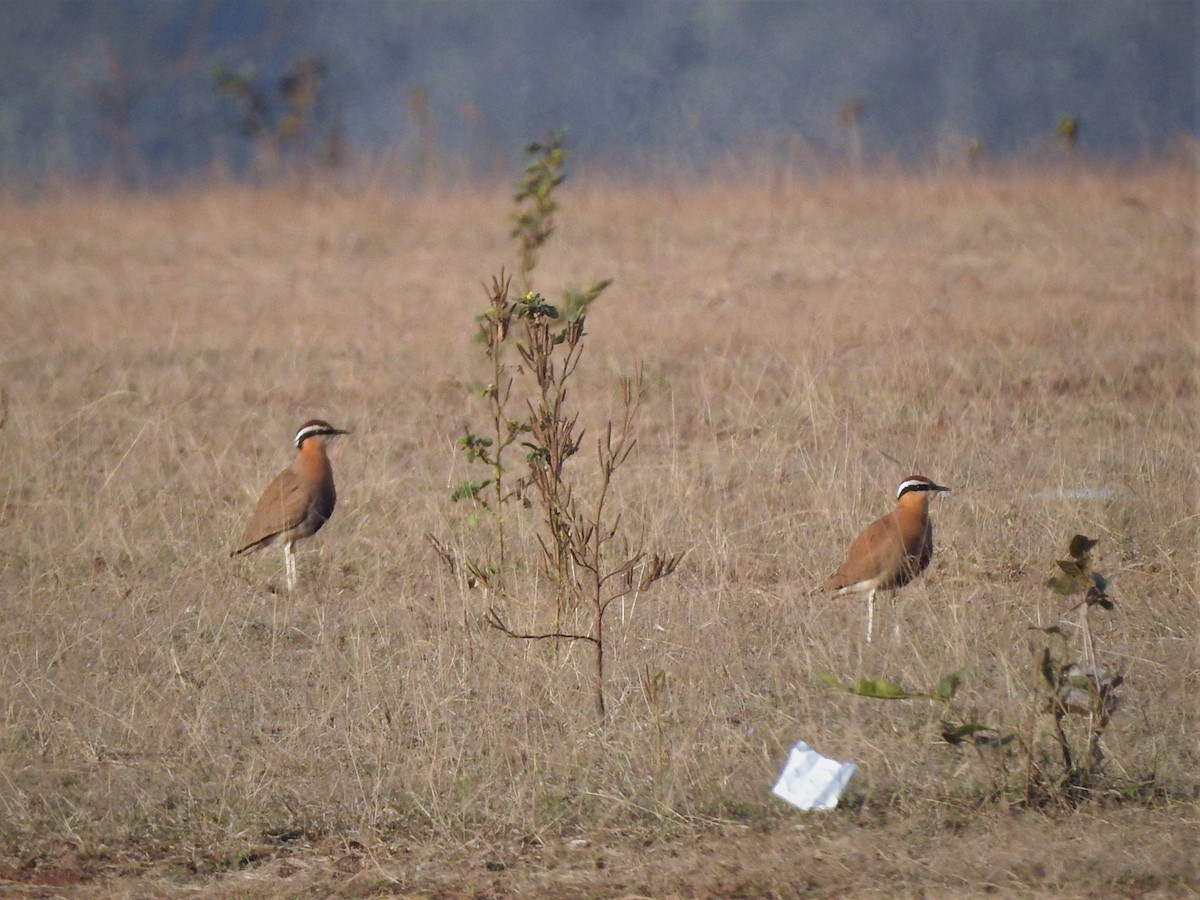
x,y
151,92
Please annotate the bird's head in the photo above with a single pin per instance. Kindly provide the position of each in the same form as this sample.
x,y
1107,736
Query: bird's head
x,y
918,489
319,429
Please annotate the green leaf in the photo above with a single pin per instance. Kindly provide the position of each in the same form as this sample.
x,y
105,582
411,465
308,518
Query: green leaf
x,y
533,306
476,447
1100,582
469,490
879,689
1003,740
1074,570
1061,584
948,686
954,734
831,680
1081,545
539,456
576,302
1045,665
480,574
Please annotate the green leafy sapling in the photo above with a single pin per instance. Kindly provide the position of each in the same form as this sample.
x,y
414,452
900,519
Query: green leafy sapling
x,y
588,560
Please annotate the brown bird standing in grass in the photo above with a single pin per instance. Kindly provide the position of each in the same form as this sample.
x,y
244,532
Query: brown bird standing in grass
x,y
296,504
893,550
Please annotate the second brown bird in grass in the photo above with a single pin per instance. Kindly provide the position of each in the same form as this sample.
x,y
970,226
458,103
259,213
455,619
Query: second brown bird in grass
x,y
298,502
892,550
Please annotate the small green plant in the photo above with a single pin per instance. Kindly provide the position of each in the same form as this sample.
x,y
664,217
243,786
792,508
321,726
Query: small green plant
x,y
1076,694
1081,690
535,198
588,559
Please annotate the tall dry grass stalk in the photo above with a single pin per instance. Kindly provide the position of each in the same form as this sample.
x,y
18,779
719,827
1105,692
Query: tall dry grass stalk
x,y
1023,338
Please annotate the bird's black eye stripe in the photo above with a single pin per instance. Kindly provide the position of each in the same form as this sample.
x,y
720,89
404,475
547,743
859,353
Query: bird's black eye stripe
x,y
913,486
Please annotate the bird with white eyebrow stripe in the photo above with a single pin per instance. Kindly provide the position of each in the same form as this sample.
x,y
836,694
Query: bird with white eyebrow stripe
x,y
298,502
892,550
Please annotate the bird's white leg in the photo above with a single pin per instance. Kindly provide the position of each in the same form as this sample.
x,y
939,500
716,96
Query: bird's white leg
x,y
289,562
870,612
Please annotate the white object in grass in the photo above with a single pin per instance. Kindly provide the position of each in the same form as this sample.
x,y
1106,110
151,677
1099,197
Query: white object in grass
x,y
812,781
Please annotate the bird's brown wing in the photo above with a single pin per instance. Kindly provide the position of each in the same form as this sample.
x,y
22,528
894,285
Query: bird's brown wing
x,y
872,553
281,508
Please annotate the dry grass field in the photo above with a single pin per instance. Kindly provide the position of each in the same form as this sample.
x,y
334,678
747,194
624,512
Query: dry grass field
x,y
173,723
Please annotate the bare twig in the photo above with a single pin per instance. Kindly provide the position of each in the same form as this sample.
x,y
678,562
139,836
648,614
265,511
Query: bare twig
x,y
493,619
445,554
